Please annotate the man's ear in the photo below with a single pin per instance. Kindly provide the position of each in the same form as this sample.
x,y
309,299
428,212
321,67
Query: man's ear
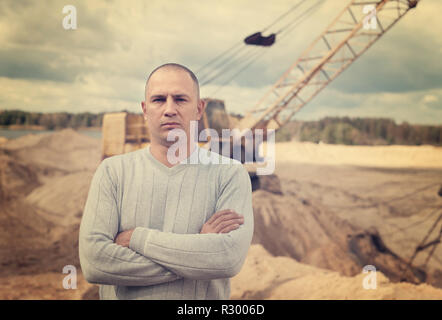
x,y
201,106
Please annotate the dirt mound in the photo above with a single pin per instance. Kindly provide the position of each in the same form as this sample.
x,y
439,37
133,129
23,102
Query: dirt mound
x,y
47,286
59,204
400,203
25,141
27,162
56,154
266,277
315,236
305,233
24,238
44,180
16,178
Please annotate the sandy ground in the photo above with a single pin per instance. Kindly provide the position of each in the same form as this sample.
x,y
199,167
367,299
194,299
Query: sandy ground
x,y
267,277
342,207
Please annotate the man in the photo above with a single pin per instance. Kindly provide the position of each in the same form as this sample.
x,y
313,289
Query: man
x,y
152,229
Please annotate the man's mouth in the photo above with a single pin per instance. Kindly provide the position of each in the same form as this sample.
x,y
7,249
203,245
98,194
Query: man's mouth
x,y
171,124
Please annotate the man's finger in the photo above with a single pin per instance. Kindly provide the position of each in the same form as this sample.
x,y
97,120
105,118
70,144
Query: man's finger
x,y
225,217
227,223
229,228
218,214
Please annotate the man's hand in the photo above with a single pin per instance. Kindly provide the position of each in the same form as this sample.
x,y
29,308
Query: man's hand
x,y
223,222
123,238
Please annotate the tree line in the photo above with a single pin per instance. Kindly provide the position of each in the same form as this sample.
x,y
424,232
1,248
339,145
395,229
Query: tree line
x,y
51,121
361,131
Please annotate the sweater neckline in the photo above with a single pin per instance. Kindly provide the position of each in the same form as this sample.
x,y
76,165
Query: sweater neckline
x,y
176,168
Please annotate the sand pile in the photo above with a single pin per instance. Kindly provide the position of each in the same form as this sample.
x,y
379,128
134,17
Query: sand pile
x,y
16,177
402,204
305,233
60,153
394,156
46,286
315,236
25,141
44,184
58,204
267,277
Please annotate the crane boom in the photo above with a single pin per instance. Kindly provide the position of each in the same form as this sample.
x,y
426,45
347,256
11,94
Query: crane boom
x,y
360,24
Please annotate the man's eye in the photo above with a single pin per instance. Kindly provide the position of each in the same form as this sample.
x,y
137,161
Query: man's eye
x,y
180,99
158,100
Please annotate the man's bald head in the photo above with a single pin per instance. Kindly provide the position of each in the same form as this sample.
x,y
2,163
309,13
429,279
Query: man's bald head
x,y
176,66
172,96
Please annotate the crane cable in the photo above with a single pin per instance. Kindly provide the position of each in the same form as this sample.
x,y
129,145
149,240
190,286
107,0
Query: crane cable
x,y
250,55
219,67
241,42
283,15
255,55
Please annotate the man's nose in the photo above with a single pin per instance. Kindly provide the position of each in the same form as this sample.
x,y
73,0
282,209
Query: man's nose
x,y
170,107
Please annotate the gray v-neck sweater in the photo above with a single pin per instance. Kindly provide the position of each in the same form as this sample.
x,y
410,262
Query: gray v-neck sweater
x,y
167,258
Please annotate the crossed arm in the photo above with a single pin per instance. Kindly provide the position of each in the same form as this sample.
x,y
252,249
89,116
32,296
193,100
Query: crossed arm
x,y
143,256
223,221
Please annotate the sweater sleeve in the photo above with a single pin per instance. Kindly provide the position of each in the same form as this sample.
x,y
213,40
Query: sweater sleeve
x,y
102,261
205,256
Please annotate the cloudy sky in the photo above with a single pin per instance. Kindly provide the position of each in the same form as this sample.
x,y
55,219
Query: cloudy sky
x,y
103,64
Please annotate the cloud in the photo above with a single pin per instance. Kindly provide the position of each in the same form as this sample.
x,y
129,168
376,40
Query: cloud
x,y
102,66
431,103
411,106
429,98
36,65
39,25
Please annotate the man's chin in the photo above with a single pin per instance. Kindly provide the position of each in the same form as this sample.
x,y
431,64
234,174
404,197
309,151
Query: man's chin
x,y
173,140
174,132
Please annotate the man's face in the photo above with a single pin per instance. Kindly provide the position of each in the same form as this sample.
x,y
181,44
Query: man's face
x,y
171,102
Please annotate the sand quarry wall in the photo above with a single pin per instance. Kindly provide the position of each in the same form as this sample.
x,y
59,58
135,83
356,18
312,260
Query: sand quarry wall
x,y
297,247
